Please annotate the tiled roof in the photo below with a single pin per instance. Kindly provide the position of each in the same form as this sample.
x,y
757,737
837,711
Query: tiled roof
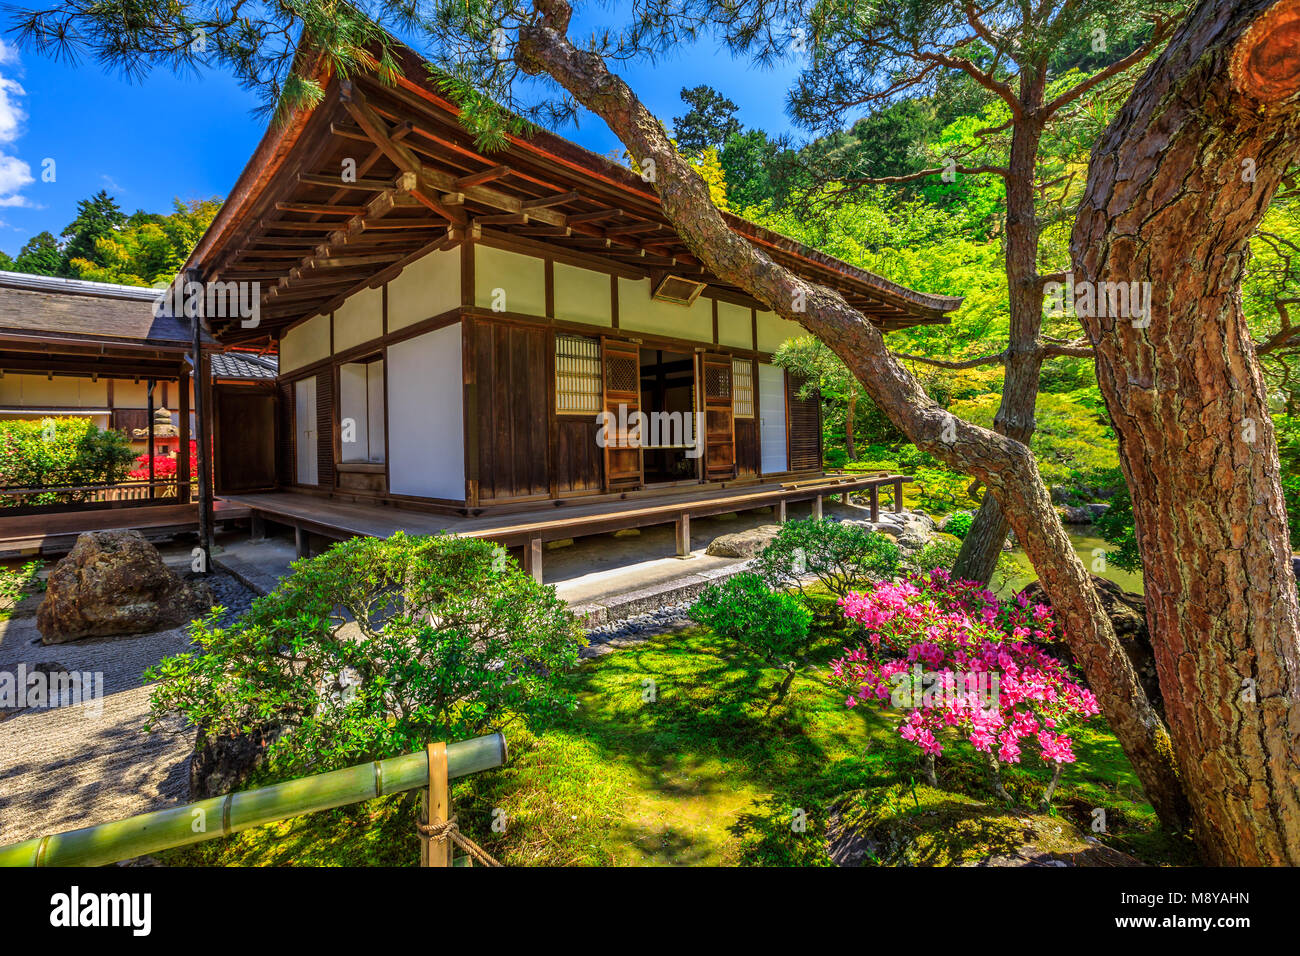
x,y
244,365
99,311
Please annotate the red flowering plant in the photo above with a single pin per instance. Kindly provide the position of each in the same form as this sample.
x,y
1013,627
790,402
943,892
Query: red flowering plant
x,y
963,663
164,466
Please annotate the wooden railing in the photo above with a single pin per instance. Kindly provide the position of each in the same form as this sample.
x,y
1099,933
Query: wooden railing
x,y
428,769
164,490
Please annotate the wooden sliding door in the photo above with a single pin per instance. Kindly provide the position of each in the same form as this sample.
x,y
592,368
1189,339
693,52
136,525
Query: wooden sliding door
x,y
622,397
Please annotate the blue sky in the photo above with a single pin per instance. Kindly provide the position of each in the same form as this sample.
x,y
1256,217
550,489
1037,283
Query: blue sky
x,y
172,137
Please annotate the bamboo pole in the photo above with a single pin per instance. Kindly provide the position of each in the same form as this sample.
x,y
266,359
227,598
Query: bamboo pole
x,y
221,816
437,808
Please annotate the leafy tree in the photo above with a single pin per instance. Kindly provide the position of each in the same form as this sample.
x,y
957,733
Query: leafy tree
x,y
709,123
150,248
97,218
40,255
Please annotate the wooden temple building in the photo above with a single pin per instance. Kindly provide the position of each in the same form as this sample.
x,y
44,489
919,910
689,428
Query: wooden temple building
x,y
451,324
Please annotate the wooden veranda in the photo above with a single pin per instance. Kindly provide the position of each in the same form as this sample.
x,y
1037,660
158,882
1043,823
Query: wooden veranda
x,y
530,530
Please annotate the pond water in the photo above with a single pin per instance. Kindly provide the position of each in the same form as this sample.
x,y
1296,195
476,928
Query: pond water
x,y
1085,541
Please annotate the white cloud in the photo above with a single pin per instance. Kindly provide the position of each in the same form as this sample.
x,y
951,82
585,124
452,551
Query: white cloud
x,y
14,172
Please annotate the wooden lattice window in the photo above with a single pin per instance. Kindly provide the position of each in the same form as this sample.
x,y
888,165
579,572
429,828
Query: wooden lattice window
x,y
622,374
742,388
717,382
577,375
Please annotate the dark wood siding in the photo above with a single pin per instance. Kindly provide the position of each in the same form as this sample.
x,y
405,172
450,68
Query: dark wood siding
x,y
746,446
513,399
325,429
805,428
578,459
244,438
285,463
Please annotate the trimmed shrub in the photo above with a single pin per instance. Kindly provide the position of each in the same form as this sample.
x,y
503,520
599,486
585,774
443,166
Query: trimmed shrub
x,y
773,627
959,523
838,554
374,649
54,452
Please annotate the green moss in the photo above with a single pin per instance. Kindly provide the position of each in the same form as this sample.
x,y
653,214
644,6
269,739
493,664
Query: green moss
x,y
672,757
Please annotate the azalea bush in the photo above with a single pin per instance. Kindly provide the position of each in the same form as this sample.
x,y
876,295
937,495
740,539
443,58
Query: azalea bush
x,y
164,466
374,649
964,665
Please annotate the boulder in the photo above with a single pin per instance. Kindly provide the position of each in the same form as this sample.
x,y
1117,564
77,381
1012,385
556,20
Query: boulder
x,y
222,764
114,582
1075,514
1128,613
743,544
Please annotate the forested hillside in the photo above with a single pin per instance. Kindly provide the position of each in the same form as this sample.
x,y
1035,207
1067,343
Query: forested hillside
x,y
856,194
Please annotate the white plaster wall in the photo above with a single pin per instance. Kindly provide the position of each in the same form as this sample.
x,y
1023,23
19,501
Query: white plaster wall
x,y
359,319
582,295
305,343
637,312
426,433
521,280
427,287
774,330
771,424
735,326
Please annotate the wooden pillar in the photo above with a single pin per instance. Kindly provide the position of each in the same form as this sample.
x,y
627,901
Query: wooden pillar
x,y
898,497
256,527
875,503
149,440
533,558
183,452
199,364
300,541
684,535
844,498
437,808
780,511
817,508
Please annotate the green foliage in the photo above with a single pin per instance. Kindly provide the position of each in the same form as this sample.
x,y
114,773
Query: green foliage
x,y
1116,526
942,491
941,552
376,648
837,554
97,218
15,582
770,625
709,123
959,523
56,452
39,256
149,249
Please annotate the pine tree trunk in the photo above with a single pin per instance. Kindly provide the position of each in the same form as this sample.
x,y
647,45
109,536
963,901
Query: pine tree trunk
x,y
978,556
849,450
1005,466
1176,187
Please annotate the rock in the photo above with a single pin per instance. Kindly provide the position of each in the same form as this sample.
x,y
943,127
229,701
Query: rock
x,y
1072,514
627,533
1128,613
114,582
222,764
743,544
959,831
1098,508
561,543
1295,565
